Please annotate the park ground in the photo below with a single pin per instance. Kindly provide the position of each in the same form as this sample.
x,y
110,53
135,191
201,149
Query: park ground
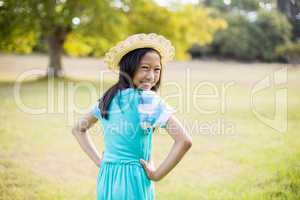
x,y
235,154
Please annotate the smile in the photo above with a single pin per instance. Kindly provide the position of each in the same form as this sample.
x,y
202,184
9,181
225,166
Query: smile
x,y
144,82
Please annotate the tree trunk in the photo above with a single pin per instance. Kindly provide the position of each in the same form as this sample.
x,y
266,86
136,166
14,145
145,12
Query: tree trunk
x,y
56,39
207,2
291,8
281,6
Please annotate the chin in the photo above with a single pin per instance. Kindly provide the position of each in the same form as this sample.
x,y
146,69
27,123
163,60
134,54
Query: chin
x,y
145,88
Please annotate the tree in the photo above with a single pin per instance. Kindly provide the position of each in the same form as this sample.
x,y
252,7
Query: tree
x,y
184,26
232,4
247,40
291,8
54,20
89,28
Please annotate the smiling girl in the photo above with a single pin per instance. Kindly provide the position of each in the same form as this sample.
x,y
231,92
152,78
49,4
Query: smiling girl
x,y
125,169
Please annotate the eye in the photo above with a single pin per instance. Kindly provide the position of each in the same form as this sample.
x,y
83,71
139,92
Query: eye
x,y
157,69
144,67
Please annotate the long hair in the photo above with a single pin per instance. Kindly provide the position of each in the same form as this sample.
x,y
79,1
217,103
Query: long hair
x,y
128,67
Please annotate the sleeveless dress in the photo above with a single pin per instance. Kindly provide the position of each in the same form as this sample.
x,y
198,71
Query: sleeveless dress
x,y
127,133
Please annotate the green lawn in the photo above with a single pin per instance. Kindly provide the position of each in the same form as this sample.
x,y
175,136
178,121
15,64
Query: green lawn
x,y
40,159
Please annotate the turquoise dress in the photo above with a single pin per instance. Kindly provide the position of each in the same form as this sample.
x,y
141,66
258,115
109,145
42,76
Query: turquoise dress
x,y
127,133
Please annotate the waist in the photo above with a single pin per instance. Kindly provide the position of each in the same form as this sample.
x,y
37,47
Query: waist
x,y
122,162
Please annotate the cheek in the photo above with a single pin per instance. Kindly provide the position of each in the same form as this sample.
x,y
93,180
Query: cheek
x,y
138,76
157,76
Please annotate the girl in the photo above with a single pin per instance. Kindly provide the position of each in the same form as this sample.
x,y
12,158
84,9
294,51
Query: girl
x,y
129,112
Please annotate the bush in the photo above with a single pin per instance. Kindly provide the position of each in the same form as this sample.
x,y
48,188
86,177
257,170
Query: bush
x,y
198,51
78,45
275,30
289,51
21,44
239,40
246,39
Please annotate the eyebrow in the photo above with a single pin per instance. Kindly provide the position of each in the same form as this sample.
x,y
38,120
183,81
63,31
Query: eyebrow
x,y
149,64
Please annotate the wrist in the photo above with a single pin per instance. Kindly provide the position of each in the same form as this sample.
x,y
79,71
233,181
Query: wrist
x,y
98,162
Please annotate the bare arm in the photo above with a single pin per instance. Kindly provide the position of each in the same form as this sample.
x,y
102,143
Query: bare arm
x,y
182,143
81,134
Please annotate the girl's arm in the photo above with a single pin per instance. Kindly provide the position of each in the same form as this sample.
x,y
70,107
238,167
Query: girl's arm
x,y
182,143
81,134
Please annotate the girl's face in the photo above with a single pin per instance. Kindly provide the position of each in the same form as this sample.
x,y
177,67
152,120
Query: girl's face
x,y
148,71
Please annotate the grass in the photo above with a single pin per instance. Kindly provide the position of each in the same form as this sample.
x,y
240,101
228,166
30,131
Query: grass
x,y
40,159
18,183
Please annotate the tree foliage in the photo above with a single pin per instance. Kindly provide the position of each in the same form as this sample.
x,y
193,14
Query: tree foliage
x,y
256,40
54,21
184,26
291,9
234,4
102,24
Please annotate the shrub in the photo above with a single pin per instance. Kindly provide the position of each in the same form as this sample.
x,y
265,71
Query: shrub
x,y
251,39
290,51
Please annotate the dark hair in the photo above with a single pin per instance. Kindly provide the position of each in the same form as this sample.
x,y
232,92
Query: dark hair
x,y
128,67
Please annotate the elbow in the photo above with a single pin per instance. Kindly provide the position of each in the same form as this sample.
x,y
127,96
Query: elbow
x,y
188,143
77,131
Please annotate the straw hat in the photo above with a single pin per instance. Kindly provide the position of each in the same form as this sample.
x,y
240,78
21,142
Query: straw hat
x,y
142,40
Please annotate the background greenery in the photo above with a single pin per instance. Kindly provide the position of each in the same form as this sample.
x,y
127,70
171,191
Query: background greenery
x,y
212,27
40,158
